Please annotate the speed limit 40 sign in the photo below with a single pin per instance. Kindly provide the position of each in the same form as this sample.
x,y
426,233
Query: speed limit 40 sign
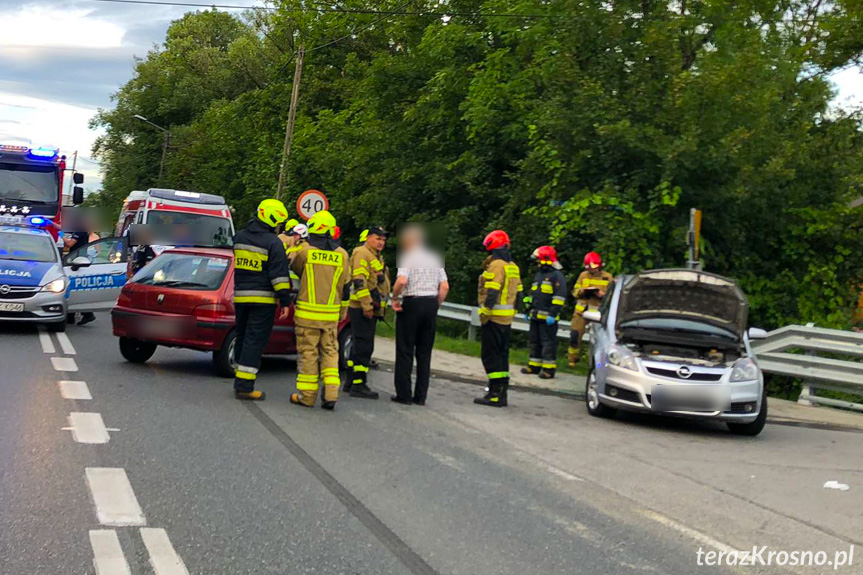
x,y
311,202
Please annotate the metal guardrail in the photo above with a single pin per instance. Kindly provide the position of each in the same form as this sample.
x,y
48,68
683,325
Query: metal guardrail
x,y
817,372
470,314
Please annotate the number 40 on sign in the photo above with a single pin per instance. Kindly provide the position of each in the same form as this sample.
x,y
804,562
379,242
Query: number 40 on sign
x,y
311,202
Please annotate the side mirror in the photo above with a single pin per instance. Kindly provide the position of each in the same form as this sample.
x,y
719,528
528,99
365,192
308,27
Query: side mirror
x,y
77,194
80,262
757,333
593,316
78,178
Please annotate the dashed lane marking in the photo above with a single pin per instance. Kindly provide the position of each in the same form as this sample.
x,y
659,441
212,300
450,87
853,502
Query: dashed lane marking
x,y
563,474
74,390
163,558
688,531
108,558
88,428
66,343
115,501
64,364
46,342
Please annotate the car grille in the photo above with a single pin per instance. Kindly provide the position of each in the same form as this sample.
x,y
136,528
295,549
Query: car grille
x,y
17,315
696,376
18,292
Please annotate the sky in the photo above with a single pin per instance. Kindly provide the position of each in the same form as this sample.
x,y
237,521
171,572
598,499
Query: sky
x,y
60,60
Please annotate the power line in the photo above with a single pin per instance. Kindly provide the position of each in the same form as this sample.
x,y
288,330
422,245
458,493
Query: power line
x,y
359,30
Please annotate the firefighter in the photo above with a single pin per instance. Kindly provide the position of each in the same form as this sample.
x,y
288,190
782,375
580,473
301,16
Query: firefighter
x,y
544,302
261,280
285,234
322,302
589,289
499,290
367,305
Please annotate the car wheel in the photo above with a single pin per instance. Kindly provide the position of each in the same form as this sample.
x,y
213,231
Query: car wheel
x,y
57,326
345,345
754,428
591,399
223,359
135,350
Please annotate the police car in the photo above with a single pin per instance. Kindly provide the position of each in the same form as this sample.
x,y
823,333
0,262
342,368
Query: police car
x,y
37,286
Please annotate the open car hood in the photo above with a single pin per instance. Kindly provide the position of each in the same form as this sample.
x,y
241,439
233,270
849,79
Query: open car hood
x,y
684,294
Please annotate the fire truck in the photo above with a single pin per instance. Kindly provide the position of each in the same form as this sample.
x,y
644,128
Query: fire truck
x,y
31,183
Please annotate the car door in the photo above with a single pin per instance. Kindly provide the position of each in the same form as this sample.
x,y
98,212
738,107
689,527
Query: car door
x,y
97,286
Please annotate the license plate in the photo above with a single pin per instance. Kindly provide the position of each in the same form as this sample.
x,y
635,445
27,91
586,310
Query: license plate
x,y
690,398
11,307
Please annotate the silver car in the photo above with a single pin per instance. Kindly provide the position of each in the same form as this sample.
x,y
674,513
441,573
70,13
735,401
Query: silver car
x,y
675,342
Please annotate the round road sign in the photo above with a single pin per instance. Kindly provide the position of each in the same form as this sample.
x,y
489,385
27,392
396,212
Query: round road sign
x,y
311,202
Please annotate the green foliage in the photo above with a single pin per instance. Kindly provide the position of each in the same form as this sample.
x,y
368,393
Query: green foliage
x,y
593,126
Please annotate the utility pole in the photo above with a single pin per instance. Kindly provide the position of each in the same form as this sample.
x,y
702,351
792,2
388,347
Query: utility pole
x,y
693,239
165,141
71,180
292,116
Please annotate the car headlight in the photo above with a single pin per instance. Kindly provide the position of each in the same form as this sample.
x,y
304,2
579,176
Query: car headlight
x,y
744,370
56,286
622,357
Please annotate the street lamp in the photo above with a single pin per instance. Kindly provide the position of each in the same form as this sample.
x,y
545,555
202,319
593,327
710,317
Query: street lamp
x,y
165,142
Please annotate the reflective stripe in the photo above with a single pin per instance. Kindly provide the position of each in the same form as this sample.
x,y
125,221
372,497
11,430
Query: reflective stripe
x,y
254,299
361,272
307,386
377,265
504,307
551,365
317,306
546,288
281,280
316,316
557,300
498,374
488,275
580,308
345,303
330,371
492,285
307,377
534,362
541,315
357,381
503,312
350,363
251,248
363,293
596,283
331,380
243,375
255,292
360,368
527,299
282,286
249,260
247,369
494,399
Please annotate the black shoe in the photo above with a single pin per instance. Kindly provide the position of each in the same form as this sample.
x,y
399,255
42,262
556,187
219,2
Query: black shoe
x,y
87,318
328,405
491,400
398,399
419,401
529,370
362,390
347,386
547,374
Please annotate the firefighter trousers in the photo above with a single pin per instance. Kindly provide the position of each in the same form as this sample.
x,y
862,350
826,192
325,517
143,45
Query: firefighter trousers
x,y
318,359
495,352
543,345
362,345
254,324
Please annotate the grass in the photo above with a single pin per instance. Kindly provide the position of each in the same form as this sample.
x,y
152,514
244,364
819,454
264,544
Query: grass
x,y
452,336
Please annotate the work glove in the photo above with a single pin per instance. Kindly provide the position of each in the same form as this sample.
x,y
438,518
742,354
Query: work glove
x,y
551,320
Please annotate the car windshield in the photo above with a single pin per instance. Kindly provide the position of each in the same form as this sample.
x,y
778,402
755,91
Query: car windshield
x,y
27,247
188,229
678,325
28,183
179,270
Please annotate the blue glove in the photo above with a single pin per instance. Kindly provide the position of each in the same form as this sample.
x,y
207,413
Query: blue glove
x,y
551,320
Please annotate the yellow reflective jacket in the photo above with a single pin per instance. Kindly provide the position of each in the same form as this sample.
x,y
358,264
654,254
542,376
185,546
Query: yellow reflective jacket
x,y
324,272
499,289
586,288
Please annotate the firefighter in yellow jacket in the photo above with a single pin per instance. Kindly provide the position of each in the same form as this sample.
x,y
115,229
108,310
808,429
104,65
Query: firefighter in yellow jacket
x,y
499,290
322,301
368,304
589,289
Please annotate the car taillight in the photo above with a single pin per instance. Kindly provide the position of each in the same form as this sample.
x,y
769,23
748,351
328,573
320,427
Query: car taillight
x,y
212,310
125,298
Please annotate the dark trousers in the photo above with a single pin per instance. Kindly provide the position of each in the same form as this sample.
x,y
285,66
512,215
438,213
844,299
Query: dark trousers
x,y
415,332
543,345
362,344
495,351
254,324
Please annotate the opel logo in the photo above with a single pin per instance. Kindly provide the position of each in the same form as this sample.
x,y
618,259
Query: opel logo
x,y
4,289
161,298
683,372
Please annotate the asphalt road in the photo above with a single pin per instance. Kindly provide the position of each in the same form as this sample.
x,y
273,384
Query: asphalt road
x,y
219,486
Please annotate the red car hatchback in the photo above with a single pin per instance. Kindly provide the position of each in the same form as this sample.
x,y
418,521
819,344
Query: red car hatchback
x,y
184,298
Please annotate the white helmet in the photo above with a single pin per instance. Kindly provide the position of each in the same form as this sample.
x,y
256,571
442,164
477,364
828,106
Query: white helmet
x,y
301,230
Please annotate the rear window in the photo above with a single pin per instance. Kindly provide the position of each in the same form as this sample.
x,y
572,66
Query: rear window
x,y
188,229
186,271
27,247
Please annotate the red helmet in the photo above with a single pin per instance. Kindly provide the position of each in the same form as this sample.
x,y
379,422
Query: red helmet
x,y
592,261
496,239
546,255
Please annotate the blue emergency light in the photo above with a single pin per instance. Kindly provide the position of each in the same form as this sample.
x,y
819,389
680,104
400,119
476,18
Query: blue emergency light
x,y
43,153
38,221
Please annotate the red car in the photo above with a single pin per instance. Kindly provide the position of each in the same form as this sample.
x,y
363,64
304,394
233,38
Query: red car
x,y
184,298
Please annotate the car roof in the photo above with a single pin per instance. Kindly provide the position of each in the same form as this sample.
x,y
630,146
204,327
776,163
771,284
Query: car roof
x,y
224,252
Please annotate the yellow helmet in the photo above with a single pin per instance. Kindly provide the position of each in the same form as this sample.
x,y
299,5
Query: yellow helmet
x,y
272,212
321,223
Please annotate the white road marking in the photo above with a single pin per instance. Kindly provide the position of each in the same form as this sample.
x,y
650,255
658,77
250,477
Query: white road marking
x,y
74,390
112,494
564,474
66,343
88,428
47,343
108,558
688,531
64,364
163,558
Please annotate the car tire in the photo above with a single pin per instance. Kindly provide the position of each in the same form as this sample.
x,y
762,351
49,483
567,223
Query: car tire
x,y
223,358
591,399
135,350
345,341
57,326
754,428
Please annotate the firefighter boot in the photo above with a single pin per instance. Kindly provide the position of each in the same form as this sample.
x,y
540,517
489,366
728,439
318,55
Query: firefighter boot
x,y
530,369
362,390
331,395
573,354
305,398
496,396
547,373
349,377
250,395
